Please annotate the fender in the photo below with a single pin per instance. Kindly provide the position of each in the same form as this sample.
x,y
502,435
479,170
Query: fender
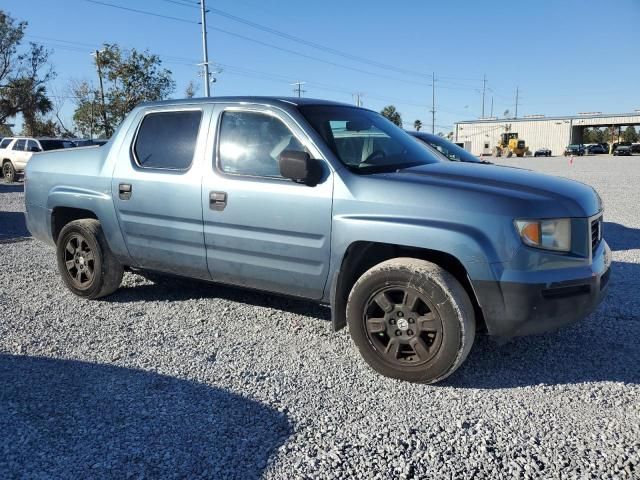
x,y
468,245
98,202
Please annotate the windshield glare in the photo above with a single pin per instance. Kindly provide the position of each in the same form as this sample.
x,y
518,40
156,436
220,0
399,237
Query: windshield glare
x,y
365,141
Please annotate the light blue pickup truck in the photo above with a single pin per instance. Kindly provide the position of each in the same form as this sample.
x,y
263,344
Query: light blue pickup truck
x,y
331,203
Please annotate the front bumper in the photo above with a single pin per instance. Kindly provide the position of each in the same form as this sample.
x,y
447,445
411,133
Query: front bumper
x,y
554,299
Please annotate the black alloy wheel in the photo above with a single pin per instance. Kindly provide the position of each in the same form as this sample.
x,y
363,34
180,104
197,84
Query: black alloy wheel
x,y
79,260
402,326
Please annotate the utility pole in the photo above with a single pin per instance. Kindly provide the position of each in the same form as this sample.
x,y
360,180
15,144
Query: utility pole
x,y
484,88
491,114
517,95
358,97
205,52
107,130
433,103
297,88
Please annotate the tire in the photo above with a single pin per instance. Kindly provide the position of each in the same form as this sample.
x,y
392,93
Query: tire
x,y
412,292
87,266
8,172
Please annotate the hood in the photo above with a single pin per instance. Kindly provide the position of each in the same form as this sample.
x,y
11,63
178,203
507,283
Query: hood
x,y
533,193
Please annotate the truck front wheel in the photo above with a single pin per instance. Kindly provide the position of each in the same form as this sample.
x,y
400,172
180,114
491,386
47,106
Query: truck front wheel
x,y
411,320
87,265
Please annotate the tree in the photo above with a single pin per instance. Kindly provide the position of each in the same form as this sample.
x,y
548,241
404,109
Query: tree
x,y
130,77
588,135
417,125
23,76
630,134
392,114
88,111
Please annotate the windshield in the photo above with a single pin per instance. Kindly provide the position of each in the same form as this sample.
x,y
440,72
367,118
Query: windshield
x,y
449,149
365,141
56,144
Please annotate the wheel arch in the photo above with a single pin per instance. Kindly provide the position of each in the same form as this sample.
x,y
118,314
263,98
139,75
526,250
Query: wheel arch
x,y
360,256
61,216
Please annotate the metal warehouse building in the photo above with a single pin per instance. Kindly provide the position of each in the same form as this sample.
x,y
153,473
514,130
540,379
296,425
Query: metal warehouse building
x,y
481,136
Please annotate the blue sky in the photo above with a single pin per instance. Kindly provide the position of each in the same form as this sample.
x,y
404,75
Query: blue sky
x,y
565,56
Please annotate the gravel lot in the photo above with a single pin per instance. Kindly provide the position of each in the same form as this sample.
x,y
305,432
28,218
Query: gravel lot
x,y
182,379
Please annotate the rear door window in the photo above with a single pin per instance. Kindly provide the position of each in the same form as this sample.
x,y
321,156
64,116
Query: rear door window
x,y
19,145
167,140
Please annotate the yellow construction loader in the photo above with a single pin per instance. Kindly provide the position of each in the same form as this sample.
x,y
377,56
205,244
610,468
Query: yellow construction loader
x,y
509,145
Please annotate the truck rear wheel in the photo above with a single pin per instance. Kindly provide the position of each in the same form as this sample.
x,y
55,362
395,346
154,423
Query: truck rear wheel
x,y
411,320
8,172
85,262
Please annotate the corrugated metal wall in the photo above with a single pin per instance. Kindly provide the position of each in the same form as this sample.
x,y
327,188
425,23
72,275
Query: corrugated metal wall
x,y
552,133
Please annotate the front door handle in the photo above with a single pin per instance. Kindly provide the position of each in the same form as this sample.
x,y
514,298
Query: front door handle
x,y
124,191
217,200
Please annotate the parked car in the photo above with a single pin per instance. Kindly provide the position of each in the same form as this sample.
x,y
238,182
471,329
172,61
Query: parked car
x,y
449,149
542,152
616,145
635,148
623,150
332,203
605,145
15,152
596,148
574,149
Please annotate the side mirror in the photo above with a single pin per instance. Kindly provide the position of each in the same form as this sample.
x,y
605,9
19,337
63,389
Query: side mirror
x,y
300,167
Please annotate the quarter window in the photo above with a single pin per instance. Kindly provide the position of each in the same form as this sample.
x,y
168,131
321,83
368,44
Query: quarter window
x,y
167,140
250,143
32,146
5,143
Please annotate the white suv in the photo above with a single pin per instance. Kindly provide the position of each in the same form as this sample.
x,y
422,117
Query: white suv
x,y
15,152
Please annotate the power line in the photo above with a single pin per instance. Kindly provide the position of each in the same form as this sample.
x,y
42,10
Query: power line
x,y
144,12
309,43
253,40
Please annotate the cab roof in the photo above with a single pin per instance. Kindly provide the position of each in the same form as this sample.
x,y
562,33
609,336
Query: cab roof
x,y
276,101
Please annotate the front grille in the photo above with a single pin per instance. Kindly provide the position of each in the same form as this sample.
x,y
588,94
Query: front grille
x,y
596,233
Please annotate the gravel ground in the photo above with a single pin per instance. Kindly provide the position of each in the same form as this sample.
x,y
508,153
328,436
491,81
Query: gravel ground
x,y
182,379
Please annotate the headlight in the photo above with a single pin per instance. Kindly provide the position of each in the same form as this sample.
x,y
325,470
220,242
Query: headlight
x,y
548,234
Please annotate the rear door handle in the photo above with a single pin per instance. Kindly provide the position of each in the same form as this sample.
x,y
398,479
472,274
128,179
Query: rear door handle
x,y
124,191
217,200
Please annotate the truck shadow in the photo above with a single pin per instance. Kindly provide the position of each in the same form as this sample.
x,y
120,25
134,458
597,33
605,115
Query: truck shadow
x,y
602,347
71,419
13,227
11,187
179,289
621,237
